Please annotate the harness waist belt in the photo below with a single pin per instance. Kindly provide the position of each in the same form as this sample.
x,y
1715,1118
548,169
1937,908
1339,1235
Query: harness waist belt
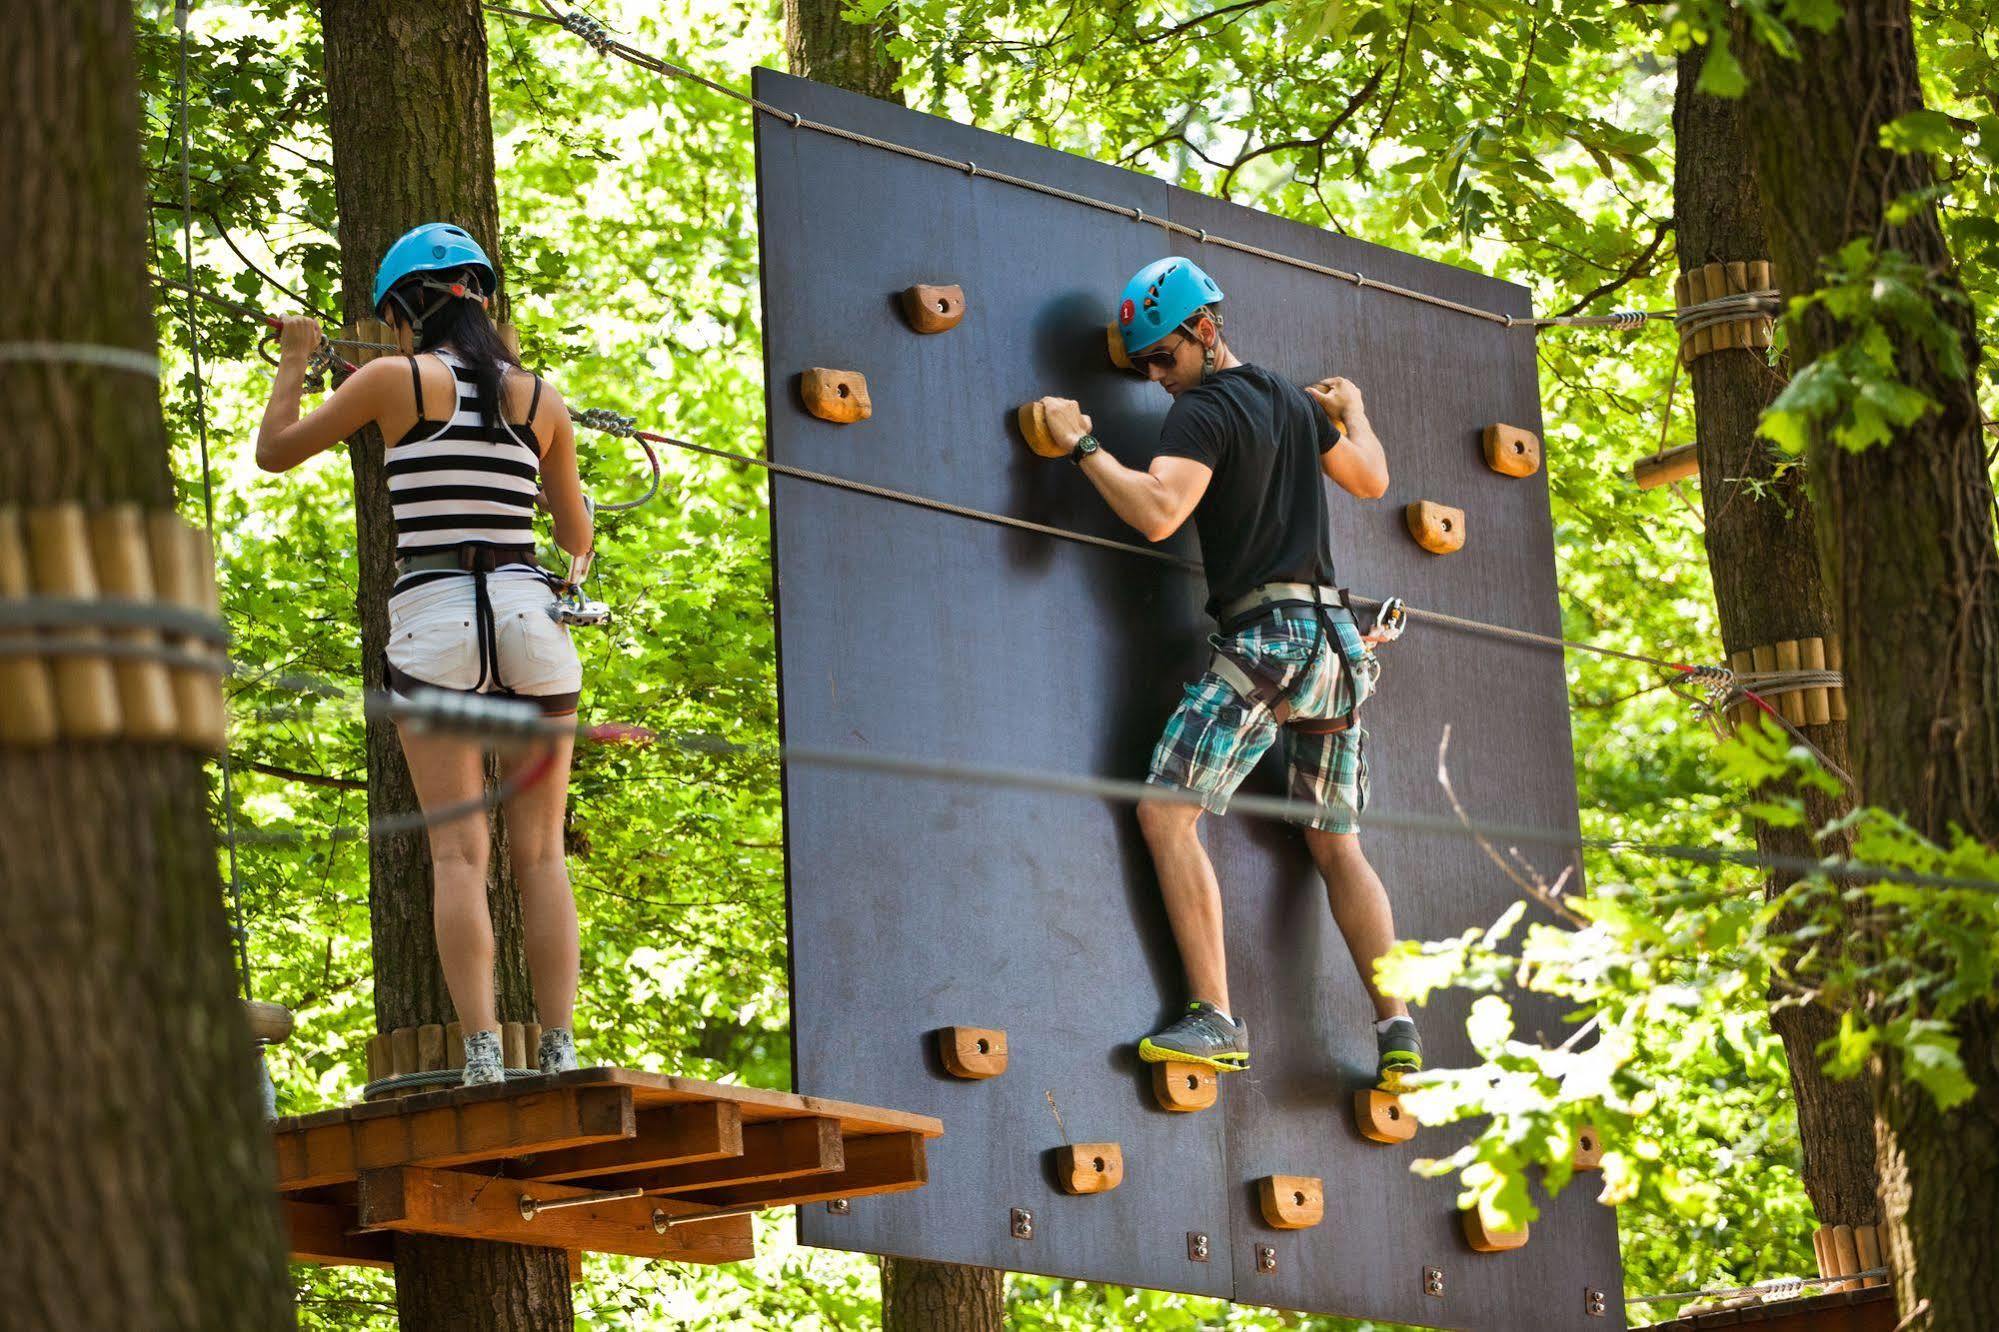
x,y
1332,599
467,559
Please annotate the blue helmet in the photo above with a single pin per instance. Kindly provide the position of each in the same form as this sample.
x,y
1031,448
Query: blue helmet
x,y
434,247
1160,297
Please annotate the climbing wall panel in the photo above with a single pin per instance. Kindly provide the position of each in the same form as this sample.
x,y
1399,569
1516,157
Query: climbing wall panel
x,y
917,904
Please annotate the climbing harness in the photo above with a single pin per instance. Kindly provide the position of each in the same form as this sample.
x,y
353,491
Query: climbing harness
x,y
1257,686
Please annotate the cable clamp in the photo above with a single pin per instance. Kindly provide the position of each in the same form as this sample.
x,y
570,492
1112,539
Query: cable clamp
x,y
797,120
323,361
1509,320
606,420
1360,279
971,168
590,28
1138,215
1204,235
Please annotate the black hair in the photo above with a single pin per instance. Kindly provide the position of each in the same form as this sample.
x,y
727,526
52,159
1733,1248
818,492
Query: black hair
x,y
461,324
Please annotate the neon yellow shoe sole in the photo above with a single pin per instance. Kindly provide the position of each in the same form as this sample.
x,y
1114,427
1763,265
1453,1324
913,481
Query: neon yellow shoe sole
x,y
1154,1054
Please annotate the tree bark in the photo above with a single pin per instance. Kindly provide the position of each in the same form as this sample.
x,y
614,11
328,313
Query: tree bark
x,y
917,1296
135,1172
823,46
1767,589
412,143
1906,540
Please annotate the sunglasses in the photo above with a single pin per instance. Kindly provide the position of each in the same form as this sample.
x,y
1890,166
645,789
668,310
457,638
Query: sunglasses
x,y
1163,359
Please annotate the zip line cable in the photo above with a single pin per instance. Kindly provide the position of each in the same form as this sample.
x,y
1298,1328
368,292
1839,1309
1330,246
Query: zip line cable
x,y
182,10
593,31
505,720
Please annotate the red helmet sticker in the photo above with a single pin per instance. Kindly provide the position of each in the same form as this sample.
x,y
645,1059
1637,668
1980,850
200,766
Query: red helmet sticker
x,y
1126,312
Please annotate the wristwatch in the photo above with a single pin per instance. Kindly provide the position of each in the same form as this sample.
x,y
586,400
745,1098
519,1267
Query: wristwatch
x,y
1085,446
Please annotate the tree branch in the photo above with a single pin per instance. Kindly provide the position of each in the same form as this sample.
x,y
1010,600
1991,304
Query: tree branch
x,y
338,783
1632,271
1361,97
1167,34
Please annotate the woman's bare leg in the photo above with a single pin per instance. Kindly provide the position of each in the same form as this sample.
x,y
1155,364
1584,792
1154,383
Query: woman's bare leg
x,y
548,906
448,771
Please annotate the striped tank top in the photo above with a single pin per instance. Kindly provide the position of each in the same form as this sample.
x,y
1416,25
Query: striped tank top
x,y
460,481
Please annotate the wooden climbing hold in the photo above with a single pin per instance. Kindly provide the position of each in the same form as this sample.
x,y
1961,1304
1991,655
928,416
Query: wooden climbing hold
x,y
1486,1239
1511,451
972,1052
933,309
1034,429
1089,1167
1114,340
839,396
1184,1088
1589,1149
1380,1116
1292,1202
270,1023
1438,528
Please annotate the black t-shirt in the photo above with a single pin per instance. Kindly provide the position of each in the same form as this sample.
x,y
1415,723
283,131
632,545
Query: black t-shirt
x,y
1263,517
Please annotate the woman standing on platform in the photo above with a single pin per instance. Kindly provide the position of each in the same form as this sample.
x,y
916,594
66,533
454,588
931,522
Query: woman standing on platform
x,y
473,432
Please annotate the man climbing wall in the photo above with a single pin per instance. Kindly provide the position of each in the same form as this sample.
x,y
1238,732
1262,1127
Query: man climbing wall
x,y
1242,451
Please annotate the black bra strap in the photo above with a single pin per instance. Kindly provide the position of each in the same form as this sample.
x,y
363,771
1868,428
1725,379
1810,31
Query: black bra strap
x,y
416,383
533,402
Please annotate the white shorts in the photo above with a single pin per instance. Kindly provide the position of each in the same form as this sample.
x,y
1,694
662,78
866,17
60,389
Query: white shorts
x,y
434,640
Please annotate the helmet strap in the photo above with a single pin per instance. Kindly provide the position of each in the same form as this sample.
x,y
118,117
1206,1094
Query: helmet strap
x,y
448,292
1210,351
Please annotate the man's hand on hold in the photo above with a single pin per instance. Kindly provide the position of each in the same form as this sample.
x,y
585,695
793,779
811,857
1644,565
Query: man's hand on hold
x,y
1066,421
1338,398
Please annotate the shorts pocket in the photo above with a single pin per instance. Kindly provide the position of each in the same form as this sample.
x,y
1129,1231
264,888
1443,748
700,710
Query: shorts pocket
x,y
437,649
536,654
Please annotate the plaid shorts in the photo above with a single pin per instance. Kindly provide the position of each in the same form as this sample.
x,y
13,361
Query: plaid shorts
x,y
1215,737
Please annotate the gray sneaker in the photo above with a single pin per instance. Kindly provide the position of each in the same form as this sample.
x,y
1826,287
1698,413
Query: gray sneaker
x,y
557,1052
1399,1052
482,1059
1201,1036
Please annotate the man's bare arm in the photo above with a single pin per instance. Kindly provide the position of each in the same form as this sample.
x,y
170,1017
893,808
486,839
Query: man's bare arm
x,y
1357,464
1155,502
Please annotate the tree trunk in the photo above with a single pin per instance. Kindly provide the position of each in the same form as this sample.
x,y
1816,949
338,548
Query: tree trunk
x,y
412,143
917,1296
821,45
1767,589
135,1173
1906,540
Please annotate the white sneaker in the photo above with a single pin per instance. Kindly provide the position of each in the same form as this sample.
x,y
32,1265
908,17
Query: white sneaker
x,y
557,1052
483,1065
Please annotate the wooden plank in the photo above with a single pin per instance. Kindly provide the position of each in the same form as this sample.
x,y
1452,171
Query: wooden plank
x,y
667,1136
783,1149
480,1207
1791,703
321,1233
757,1103
451,1133
883,1163
1666,466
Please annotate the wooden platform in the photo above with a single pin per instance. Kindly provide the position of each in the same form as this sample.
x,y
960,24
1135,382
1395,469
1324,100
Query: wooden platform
x,y
539,1160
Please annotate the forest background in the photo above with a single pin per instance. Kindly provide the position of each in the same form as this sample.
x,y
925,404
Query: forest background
x,y
1532,141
